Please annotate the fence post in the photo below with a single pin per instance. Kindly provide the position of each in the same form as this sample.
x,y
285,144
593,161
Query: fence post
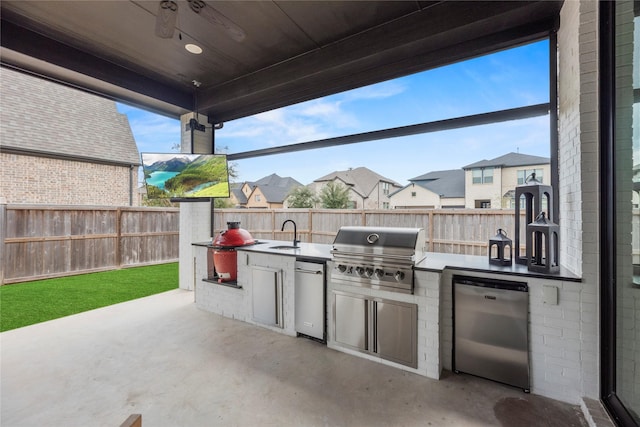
x,y
3,235
119,237
431,231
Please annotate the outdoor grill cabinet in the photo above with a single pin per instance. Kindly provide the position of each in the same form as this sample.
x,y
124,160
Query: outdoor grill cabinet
x,y
377,326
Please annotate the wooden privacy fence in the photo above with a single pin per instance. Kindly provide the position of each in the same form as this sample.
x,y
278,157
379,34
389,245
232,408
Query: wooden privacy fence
x,y
39,242
50,241
459,231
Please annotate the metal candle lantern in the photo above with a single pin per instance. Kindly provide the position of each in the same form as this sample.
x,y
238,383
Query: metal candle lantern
x,y
534,193
542,245
500,242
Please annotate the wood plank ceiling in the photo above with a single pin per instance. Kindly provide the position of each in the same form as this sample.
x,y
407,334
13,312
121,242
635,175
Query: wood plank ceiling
x,y
257,55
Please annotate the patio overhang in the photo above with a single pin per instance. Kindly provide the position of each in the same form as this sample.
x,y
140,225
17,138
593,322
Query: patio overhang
x,y
289,51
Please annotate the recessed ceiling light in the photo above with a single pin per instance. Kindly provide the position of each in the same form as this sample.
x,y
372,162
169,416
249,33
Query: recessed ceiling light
x,y
193,48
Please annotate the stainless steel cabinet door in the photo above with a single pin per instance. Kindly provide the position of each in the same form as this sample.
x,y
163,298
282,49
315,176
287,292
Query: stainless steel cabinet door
x,y
350,321
396,331
267,296
309,299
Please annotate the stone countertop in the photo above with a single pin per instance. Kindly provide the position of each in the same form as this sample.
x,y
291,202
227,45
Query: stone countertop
x,y
313,251
433,261
439,262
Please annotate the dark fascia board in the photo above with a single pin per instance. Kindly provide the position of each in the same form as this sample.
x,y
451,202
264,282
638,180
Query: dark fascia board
x,y
362,60
68,157
31,52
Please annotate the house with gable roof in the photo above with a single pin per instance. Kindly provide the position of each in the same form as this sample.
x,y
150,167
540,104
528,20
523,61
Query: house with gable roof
x,y
367,189
433,190
491,183
63,146
269,192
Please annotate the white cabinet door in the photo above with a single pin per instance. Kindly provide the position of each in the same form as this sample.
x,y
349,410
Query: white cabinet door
x,y
267,296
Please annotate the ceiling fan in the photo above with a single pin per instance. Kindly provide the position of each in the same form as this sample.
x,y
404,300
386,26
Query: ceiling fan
x,y
168,12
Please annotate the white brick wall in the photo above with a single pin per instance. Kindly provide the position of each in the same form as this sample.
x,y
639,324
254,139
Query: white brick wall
x,y
237,303
579,217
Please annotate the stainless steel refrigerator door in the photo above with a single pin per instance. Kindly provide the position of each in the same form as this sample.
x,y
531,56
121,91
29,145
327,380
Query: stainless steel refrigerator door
x,y
491,333
309,299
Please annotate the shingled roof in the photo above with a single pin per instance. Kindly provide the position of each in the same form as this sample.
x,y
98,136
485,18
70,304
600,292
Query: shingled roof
x,y
446,183
40,117
510,160
275,188
361,180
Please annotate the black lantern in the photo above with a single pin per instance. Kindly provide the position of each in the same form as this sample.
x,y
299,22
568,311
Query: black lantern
x,y
535,194
498,246
542,245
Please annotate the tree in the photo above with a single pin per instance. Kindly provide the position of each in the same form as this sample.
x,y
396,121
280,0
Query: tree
x,y
219,203
301,197
334,196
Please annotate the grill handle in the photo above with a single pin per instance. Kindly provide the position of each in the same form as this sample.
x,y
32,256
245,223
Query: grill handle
x,y
371,255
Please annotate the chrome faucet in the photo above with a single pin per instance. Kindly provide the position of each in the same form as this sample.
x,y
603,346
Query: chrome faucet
x,y
295,231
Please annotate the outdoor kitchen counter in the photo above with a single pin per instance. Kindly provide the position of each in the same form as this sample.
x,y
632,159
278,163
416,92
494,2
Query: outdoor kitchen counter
x,y
434,261
439,262
312,251
315,251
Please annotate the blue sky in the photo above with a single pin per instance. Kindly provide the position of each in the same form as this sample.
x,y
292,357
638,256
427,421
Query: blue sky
x,y
507,79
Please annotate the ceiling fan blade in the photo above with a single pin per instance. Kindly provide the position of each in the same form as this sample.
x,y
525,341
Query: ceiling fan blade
x,y
166,18
212,15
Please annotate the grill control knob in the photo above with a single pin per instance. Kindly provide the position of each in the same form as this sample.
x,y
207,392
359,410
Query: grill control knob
x,y
399,276
368,271
379,273
342,268
360,271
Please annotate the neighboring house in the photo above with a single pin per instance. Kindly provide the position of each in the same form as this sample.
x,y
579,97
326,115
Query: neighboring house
x,y
439,189
492,183
62,146
367,189
266,193
238,197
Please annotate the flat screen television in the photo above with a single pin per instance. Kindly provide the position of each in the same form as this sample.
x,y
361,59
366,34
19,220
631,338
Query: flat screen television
x,y
185,177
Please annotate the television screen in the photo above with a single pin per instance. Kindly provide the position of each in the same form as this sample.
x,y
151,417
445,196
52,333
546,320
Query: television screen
x,y
185,176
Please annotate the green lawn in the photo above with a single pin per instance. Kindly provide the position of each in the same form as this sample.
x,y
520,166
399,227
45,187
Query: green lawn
x,y
23,304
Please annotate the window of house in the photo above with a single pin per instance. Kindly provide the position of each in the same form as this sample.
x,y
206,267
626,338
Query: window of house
x,y
413,194
483,204
523,174
257,198
385,205
482,176
385,188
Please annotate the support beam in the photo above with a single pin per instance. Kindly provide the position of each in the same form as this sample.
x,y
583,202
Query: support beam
x,y
437,126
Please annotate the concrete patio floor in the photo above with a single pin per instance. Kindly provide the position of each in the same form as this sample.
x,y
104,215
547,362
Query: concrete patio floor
x,y
177,365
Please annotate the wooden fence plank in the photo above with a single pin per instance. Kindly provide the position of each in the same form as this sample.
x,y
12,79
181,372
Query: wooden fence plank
x,y
53,241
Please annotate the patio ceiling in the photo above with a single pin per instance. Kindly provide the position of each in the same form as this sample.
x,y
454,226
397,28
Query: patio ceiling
x,y
256,55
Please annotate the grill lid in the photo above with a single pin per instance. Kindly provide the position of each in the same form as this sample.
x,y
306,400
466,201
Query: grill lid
x,y
233,237
392,242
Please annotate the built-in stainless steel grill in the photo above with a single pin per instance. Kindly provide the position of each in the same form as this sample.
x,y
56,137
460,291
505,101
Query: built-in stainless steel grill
x,y
377,257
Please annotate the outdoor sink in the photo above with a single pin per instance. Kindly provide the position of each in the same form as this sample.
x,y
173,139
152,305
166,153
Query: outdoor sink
x,y
284,247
